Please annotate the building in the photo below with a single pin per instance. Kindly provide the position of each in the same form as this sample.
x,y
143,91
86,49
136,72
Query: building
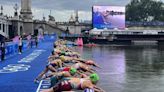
x,y
24,24
5,26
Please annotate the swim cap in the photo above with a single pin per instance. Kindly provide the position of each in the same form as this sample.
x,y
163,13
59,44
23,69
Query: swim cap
x,y
62,53
72,71
54,45
94,77
57,51
62,58
88,90
67,53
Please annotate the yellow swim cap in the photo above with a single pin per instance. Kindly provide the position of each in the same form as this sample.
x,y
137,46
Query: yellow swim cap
x,y
62,58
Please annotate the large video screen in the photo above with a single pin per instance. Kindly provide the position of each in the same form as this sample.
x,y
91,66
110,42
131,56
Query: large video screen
x,y
109,17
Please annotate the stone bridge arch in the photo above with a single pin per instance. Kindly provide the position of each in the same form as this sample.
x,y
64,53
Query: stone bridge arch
x,y
47,28
39,29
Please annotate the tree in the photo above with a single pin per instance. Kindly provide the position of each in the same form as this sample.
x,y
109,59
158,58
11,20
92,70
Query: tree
x,y
142,10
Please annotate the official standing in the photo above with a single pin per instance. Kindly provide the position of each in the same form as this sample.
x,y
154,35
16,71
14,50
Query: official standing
x,y
36,41
20,45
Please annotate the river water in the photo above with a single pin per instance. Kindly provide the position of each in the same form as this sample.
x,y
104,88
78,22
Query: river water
x,y
128,68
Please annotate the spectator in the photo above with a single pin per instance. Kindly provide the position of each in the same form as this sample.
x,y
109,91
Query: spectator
x,y
2,47
20,45
29,41
67,31
36,41
32,41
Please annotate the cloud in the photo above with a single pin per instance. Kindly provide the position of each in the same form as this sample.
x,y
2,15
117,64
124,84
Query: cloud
x,y
61,9
61,15
84,5
68,4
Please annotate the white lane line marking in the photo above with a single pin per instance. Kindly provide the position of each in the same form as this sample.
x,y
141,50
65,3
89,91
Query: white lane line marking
x,y
38,89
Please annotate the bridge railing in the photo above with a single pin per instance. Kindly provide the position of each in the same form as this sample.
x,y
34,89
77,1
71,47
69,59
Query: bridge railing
x,y
50,37
11,48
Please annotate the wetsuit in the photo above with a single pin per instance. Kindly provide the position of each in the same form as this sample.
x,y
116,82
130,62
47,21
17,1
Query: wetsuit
x,y
78,67
63,86
67,86
55,79
78,87
53,65
64,69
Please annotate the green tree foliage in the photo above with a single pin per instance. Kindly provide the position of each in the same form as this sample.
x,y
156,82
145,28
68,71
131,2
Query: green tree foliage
x,y
145,10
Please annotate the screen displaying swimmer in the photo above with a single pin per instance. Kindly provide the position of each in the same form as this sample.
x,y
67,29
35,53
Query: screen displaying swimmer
x,y
108,17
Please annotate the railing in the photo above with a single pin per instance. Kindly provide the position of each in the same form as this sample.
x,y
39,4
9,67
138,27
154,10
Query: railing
x,y
55,26
141,39
139,32
11,48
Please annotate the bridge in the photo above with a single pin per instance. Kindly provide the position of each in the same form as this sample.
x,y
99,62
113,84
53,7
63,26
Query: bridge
x,y
117,38
4,26
15,26
46,27
60,27
140,37
24,24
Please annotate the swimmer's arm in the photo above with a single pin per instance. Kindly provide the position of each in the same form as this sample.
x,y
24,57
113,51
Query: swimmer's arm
x,y
78,59
50,59
81,74
84,76
90,70
52,56
66,65
93,70
98,88
78,72
50,75
96,65
91,86
87,71
67,74
83,61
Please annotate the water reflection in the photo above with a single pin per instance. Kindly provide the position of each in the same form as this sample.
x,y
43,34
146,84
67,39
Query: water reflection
x,y
129,68
144,59
144,69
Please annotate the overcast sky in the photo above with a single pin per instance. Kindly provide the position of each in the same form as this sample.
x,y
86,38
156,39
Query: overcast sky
x,y
61,9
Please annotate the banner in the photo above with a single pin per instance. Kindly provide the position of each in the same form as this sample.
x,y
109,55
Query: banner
x,y
109,17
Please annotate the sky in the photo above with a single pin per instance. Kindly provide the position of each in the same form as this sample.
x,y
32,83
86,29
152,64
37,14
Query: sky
x,y
61,9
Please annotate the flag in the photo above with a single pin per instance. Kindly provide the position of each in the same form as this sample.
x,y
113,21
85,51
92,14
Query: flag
x,y
81,42
16,39
40,37
29,37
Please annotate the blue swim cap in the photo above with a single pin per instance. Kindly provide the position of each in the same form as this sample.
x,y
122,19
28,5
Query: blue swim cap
x,y
88,90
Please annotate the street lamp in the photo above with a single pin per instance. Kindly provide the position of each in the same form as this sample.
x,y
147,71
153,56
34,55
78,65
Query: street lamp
x,y
1,10
16,7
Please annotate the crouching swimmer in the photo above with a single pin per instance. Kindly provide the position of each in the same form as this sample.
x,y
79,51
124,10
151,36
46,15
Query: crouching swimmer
x,y
56,77
69,84
51,66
